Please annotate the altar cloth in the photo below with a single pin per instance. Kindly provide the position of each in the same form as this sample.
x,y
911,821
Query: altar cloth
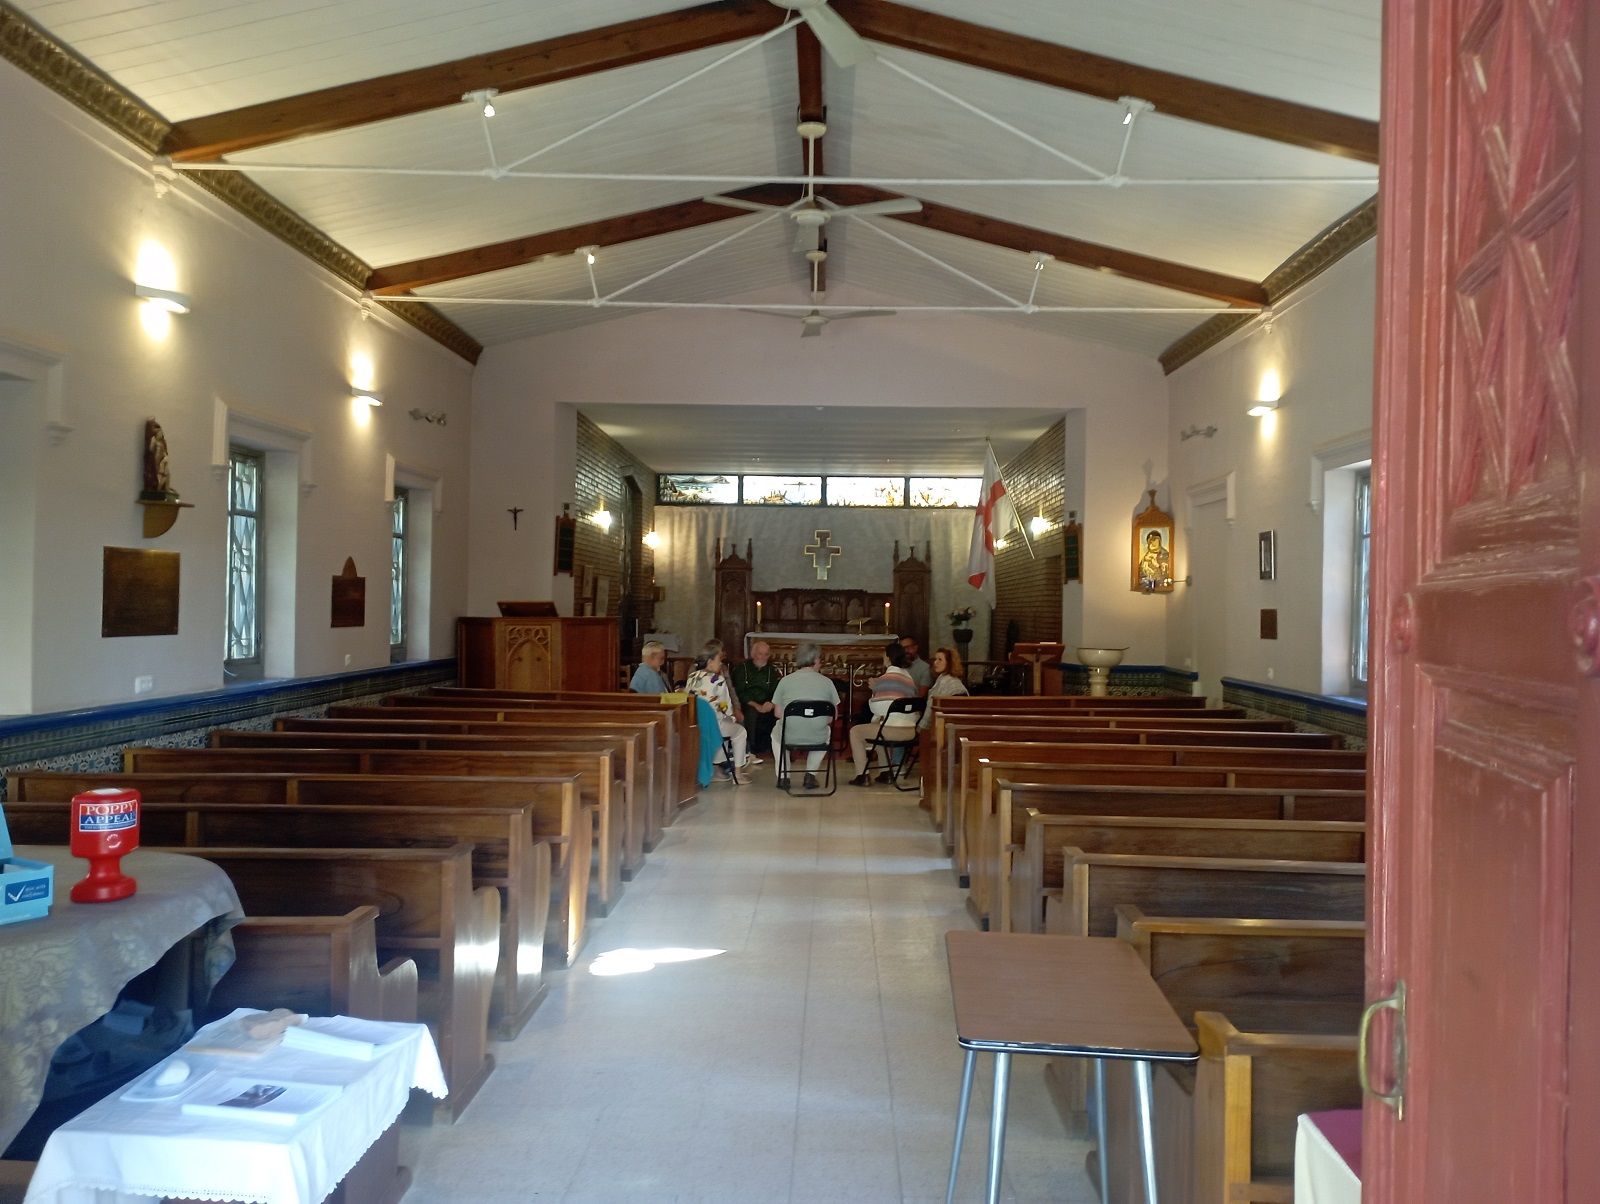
x,y
119,1152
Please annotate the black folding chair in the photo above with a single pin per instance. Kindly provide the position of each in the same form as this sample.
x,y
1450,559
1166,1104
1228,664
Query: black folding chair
x,y
899,751
809,710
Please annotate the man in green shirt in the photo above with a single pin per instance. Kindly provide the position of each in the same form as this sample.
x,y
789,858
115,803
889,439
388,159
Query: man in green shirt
x,y
754,680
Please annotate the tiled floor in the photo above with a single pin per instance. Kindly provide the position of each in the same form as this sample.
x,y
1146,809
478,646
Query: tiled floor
x,y
813,1058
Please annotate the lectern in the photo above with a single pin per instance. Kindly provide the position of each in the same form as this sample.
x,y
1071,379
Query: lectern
x,y
546,653
1038,655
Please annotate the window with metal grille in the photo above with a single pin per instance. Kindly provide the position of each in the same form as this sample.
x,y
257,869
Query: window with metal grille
x,y
1360,577
397,578
246,472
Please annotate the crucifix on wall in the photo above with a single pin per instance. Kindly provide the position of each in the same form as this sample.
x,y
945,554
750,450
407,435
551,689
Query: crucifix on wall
x,y
822,553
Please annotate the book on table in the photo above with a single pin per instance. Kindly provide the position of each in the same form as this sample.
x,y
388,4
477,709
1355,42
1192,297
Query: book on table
x,y
261,1101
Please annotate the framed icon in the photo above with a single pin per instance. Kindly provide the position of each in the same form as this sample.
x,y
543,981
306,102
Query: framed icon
x,y
1152,550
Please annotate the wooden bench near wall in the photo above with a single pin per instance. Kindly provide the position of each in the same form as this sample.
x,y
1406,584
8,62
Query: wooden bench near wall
x,y
557,818
596,778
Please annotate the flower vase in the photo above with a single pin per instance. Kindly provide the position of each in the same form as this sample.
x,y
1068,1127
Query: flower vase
x,y
963,637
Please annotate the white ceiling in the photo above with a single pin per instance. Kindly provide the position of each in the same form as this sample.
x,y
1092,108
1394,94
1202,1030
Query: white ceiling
x,y
193,57
818,439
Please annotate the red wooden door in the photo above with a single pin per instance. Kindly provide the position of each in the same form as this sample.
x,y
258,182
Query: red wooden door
x,y
1482,518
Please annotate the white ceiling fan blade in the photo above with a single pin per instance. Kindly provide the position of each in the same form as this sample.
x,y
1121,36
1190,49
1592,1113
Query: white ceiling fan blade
x,y
811,330
733,202
843,44
862,313
768,313
903,204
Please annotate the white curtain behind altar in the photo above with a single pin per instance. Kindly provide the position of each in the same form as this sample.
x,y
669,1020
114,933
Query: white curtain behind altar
x,y
689,534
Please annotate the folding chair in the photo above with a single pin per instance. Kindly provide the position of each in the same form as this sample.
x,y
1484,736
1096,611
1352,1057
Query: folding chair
x,y
899,751
809,710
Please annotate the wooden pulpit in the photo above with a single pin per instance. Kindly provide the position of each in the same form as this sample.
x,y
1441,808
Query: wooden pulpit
x,y
546,653
1038,655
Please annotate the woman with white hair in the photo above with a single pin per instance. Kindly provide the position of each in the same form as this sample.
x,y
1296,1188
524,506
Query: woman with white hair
x,y
711,682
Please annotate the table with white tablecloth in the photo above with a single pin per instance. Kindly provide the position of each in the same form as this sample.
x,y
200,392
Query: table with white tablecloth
x,y
64,971
125,1152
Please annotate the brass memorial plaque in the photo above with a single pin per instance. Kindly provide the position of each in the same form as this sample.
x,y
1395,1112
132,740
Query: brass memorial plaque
x,y
139,592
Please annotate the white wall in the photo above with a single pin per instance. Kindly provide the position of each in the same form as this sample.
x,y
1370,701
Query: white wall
x,y
523,445
270,334
1321,345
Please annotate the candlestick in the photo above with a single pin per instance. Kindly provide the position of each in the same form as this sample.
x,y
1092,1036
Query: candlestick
x,y
758,614
885,618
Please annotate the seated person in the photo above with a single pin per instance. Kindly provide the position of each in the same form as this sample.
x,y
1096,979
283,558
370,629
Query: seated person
x,y
650,677
896,683
709,681
754,680
805,684
915,665
949,679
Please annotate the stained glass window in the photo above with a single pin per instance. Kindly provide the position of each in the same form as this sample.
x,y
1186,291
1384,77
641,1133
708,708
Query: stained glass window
x,y
245,472
397,578
697,489
866,491
945,491
783,491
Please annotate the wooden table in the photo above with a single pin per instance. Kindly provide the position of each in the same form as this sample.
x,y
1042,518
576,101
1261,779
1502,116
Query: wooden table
x,y
1062,996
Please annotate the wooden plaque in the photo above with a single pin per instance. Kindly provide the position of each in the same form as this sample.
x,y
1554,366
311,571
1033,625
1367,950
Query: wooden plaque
x,y
349,597
139,592
1269,624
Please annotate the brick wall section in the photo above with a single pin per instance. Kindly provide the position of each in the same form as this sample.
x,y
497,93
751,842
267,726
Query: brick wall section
x,y
1028,590
601,465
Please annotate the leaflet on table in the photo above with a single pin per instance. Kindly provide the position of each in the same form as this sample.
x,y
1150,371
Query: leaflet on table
x,y
343,1037
260,1101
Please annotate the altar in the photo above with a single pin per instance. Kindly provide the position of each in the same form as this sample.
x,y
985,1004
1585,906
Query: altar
x,y
837,649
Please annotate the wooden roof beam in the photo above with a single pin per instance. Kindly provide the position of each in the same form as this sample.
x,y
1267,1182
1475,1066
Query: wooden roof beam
x,y
406,92
1130,265
1110,79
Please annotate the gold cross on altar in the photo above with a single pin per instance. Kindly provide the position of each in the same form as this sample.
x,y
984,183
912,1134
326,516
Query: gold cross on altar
x,y
822,553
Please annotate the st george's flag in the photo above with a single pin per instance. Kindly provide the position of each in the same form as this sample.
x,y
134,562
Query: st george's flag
x,y
996,515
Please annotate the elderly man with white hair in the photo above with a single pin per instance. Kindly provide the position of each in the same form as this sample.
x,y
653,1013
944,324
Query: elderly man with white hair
x,y
650,677
805,684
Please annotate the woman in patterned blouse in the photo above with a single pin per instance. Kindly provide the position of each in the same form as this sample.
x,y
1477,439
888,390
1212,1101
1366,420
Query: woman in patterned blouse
x,y
711,682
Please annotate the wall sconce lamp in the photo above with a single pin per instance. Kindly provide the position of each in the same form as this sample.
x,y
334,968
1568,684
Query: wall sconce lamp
x,y
1268,393
1039,525
164,299
652,540
1262,407
370,396
601,516
1001,544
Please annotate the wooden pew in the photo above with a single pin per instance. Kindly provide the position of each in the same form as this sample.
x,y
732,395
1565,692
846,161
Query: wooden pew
x,y
679,708
1287,995
1003,837
969,813
626,747
1200,824
320,965
1099,883
649,757
557,818
506,858
1023,702
596,778
428,910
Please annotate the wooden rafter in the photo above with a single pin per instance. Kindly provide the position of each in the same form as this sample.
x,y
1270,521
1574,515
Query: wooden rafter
x,y
425,88
400,278
1110,79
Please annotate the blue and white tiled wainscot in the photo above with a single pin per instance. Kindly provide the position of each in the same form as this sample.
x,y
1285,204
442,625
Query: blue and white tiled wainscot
x,y
1346,717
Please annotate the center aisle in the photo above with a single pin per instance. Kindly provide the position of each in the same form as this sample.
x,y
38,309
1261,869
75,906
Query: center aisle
x,y
808,1054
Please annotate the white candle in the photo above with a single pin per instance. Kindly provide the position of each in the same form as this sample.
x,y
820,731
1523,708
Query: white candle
x,y
886,618
758,614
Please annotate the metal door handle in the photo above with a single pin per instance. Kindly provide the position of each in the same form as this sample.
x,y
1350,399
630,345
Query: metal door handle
x,y
1396,1003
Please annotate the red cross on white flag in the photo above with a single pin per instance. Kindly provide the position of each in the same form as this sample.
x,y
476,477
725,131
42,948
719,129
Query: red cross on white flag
x,y
996,514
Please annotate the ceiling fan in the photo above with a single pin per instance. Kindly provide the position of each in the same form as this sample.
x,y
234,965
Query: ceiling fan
x,y
843,44
811,324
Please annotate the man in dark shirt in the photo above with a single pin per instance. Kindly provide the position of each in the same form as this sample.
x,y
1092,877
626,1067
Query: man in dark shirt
x,y
754,680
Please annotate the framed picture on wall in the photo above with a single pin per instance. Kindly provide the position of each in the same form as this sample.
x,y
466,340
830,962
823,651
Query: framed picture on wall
x,y
1267,545
1152,550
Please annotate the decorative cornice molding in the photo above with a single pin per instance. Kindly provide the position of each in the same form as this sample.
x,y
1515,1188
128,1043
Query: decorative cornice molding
x,y
68,74
1310,261
34,51
435,325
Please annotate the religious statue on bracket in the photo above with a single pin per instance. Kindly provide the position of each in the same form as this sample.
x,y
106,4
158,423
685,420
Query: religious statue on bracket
x,y
1152,550
157,465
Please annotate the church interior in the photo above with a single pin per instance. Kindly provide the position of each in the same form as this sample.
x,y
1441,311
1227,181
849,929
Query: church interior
x,y
387,390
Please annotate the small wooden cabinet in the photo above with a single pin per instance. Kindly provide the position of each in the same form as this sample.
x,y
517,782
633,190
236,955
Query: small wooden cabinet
x,y
537,654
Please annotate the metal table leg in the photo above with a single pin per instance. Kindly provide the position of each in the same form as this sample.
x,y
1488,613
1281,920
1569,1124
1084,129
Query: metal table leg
x,y
1100,1128
997,1124
961,1124
1143,1094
